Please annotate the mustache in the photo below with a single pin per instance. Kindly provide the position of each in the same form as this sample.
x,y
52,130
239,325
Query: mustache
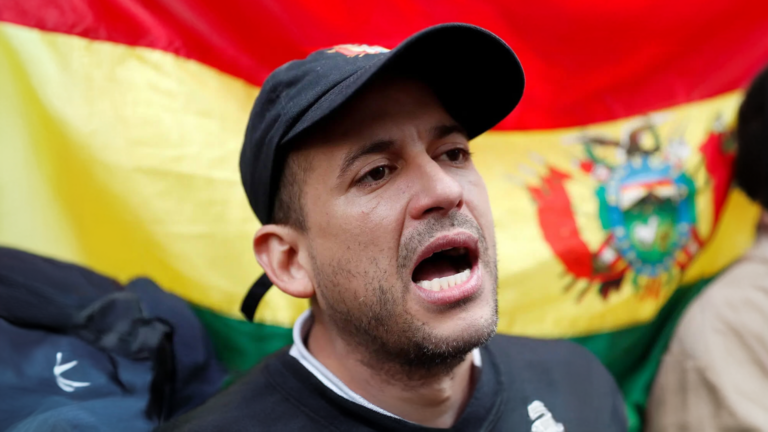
x,y
419,237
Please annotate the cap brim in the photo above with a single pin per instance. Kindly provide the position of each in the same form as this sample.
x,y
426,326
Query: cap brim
x,y
475,75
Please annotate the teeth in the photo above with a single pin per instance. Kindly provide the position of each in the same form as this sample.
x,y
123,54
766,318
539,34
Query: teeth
x,y
457,251
440,284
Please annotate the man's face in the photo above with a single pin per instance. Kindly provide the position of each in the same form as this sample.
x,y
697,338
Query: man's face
x,y
399,229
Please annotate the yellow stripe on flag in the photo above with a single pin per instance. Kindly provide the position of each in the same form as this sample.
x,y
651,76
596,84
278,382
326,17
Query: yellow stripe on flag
x,y
125,159
532,298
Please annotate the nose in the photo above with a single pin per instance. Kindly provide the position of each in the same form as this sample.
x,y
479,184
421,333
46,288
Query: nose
x,y
436,191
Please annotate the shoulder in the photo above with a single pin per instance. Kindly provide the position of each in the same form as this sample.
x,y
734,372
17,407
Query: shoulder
x,y
548,357
728,312
254,402
564,376
546,353
715,362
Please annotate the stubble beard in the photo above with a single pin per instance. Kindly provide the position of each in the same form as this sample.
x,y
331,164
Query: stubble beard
x,y
388,339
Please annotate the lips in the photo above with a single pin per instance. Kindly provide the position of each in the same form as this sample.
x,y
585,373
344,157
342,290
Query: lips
x,y
447,269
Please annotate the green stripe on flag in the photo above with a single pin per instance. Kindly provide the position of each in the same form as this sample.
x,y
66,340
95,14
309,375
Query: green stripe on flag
x,y
239,344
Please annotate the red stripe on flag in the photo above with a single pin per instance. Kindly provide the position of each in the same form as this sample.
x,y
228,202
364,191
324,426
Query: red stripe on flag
x,y
585,61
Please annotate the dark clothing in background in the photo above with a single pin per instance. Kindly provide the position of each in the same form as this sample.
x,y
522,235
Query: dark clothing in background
x,y
31,400
141,355
282,395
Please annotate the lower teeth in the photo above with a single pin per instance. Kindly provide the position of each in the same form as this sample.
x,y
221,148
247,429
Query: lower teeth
x,y
440,284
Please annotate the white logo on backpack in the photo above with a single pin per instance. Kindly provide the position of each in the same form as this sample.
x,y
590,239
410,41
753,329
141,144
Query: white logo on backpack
x,y
542,419
63,383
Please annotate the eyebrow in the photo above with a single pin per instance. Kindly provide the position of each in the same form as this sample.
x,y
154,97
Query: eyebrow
x,y
444,130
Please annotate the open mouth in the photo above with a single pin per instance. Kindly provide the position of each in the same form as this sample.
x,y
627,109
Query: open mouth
x,y
445,264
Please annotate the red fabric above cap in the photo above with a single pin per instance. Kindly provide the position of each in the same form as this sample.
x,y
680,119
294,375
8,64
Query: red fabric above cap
x,y
585,61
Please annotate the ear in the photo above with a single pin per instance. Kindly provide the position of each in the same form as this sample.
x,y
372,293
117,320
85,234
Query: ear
x,y
279,250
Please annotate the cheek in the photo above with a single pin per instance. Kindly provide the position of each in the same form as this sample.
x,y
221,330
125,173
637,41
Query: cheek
x,y
355,231
356,249
478,202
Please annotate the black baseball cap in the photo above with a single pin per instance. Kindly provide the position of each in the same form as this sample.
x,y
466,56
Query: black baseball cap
x,y
474,74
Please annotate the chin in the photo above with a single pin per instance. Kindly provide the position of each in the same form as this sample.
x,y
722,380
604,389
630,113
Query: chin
x,y
475,320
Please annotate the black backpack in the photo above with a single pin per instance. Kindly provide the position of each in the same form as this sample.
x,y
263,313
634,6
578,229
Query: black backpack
x,y
79,351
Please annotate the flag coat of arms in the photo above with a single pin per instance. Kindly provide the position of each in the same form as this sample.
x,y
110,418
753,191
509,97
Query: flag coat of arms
x,y
611,183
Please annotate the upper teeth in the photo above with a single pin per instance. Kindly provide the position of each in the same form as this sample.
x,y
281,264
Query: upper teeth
x,y
445,282
454,251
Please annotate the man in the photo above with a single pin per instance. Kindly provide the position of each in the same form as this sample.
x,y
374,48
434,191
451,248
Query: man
x,y
714,376
357,162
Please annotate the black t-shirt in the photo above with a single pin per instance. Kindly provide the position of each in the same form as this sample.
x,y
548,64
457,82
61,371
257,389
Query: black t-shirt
x,y
526,385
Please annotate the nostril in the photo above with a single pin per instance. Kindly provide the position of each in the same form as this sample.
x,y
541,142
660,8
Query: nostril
x,y
433,210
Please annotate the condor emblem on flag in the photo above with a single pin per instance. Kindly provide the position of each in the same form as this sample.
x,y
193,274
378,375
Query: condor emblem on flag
x,y
646,207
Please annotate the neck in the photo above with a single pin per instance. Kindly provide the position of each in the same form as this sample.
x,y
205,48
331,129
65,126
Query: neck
x,y
434,400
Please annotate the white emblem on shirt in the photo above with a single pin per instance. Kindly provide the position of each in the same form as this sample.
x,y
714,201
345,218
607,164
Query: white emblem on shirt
x,y
63,383
542,419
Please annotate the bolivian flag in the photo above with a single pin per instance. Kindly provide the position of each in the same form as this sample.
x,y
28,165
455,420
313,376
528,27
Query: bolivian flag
x,y
121,123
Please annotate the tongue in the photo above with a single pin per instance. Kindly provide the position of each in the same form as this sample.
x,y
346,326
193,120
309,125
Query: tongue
x,y
433,268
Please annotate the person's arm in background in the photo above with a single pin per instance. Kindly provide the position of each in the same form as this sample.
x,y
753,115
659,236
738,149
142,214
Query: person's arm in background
x,y
714,376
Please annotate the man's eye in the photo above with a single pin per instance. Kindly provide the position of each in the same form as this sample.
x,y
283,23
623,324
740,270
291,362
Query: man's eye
x,y
376,174
457,155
